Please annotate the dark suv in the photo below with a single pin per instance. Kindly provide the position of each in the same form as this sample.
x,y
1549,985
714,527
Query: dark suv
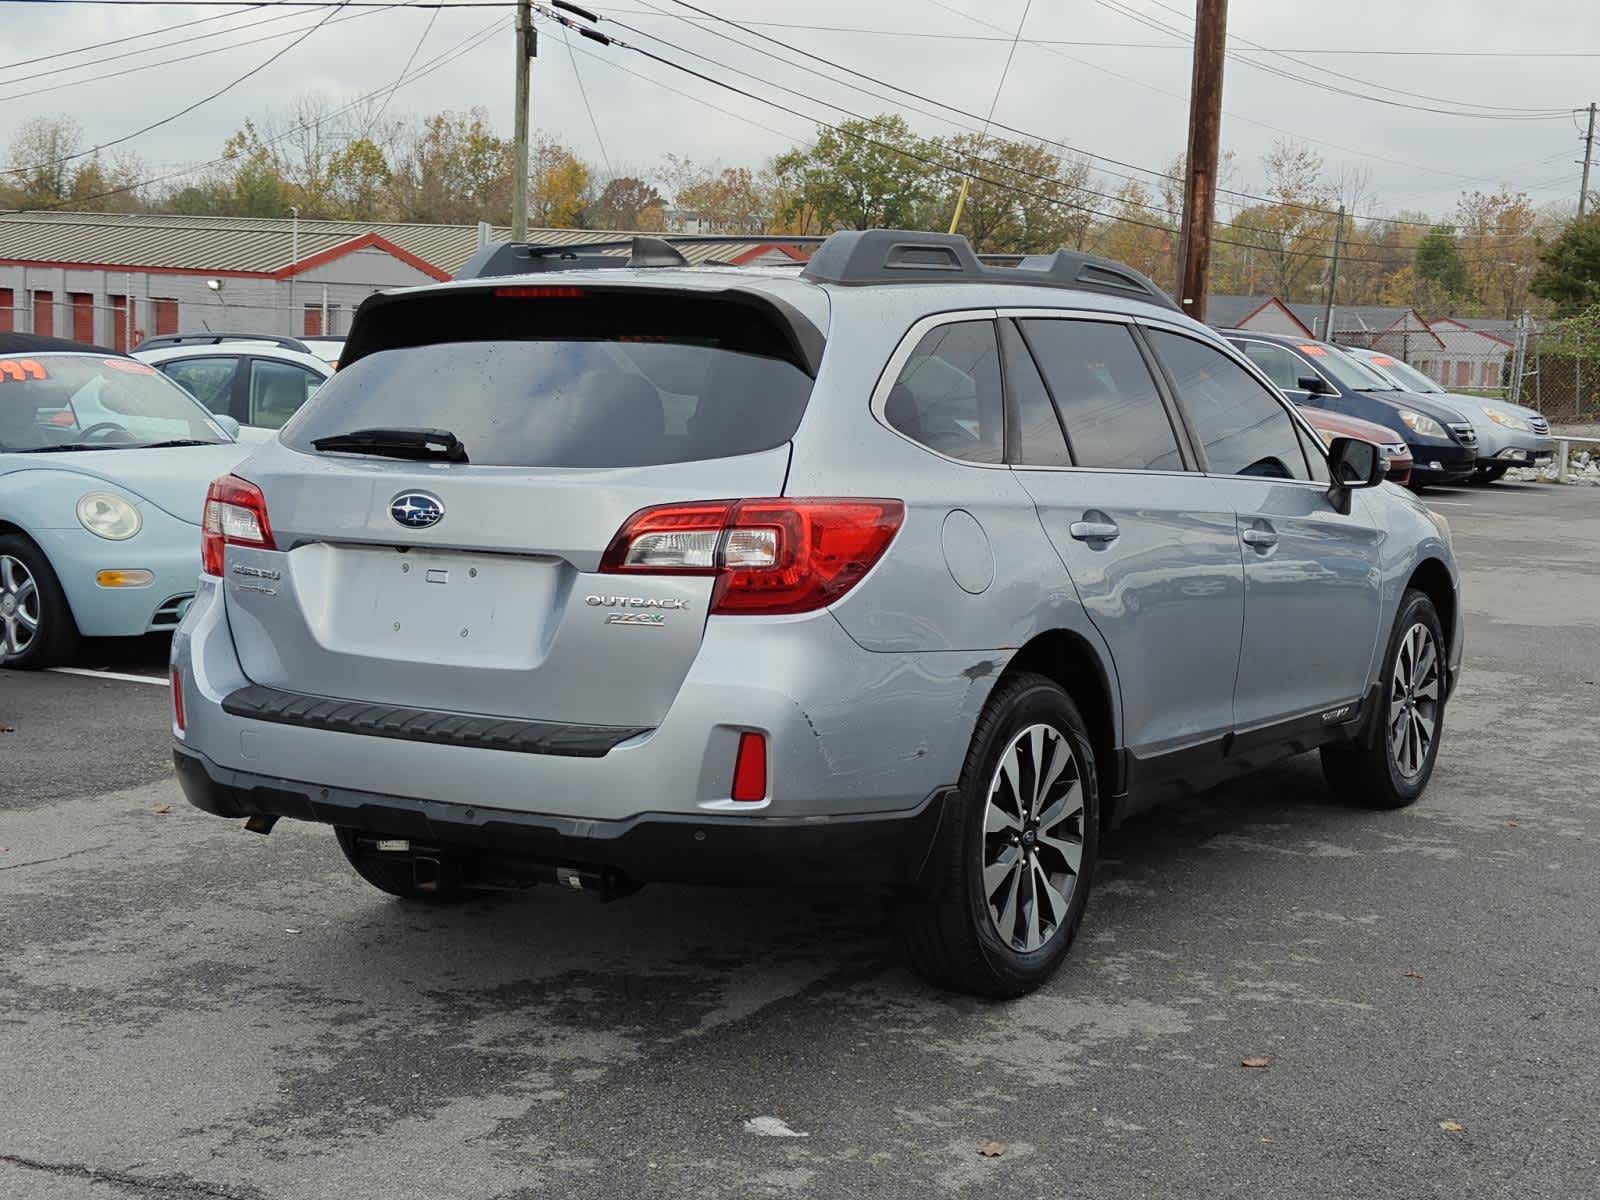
x,y
1322,375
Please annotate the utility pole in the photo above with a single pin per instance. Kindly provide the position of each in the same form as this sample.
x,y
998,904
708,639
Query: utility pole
x,y
1588,155
527,47
1333,278
1205,135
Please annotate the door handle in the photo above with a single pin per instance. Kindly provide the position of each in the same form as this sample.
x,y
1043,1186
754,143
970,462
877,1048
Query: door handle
x,y
1261,539
1094,531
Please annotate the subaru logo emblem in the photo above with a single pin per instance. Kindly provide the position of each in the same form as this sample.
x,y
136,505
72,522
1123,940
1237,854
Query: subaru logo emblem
x,y
416,510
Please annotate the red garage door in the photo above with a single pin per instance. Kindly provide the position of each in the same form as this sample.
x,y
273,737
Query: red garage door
x,y
166,316
7,317
82,316
119,323
44,313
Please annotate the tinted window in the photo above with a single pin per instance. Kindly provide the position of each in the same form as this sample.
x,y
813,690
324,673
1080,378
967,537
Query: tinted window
x,y
1035,431
1108,402
277,390
208,380
1243,428
948,394
569,403
1316,456
1277,364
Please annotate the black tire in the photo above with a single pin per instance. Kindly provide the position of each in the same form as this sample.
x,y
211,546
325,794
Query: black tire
x,y
55,638
950,935
1367,772
397,875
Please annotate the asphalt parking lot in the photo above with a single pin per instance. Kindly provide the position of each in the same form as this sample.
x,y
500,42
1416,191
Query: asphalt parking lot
x,y
188,1010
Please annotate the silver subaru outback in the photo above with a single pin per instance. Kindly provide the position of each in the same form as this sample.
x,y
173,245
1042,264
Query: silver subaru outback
x,y
907,571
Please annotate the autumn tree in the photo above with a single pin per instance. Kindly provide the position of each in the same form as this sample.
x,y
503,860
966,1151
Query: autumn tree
x,y
1440,273
1022,196
1140,234
559,187
734,200
627,202
40,161
455,171
358,178
1499,248
863,174
1287,238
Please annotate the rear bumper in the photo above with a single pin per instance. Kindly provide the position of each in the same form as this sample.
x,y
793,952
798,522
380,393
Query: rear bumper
x,y
878,848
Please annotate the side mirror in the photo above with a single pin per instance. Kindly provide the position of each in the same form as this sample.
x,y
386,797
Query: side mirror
x,y
1316,385
1353,463
229,425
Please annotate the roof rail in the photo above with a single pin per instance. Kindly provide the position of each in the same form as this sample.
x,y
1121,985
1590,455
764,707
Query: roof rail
x,y
857,257
530,258
163,340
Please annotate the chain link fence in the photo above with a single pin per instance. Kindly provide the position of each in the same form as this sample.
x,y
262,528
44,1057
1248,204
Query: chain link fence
x,y
1560,369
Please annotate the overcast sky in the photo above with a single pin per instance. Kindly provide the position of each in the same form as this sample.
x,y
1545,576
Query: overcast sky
x,y
1128,102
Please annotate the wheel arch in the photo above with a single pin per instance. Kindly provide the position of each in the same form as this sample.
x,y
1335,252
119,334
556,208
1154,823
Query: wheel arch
x,y
1432,578
1072,661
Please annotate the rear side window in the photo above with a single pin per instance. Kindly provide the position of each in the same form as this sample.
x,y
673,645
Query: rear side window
x,y
1036,439
1113,415
209,380
277,390
571,382
947,396
1243,428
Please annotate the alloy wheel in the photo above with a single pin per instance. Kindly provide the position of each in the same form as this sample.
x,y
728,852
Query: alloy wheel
x,y
1414,701
19,607
1033,837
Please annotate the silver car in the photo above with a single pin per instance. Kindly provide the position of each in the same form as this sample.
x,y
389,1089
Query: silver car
x,y
1509,435
905,571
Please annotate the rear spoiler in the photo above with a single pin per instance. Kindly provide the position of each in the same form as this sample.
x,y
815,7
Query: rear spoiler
x,y
393,320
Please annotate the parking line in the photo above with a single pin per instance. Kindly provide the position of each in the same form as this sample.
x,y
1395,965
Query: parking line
x,y
1450,503
158,680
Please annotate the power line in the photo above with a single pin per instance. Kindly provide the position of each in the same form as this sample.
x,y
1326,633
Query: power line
x,y
1500,112
1036,137
188,108
411,58
937,164
469,43
131,37
589,108
98,78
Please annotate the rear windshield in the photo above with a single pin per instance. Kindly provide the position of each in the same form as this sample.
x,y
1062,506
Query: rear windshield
x,y
614,394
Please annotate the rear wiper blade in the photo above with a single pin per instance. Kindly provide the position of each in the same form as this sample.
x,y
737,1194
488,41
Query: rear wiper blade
x,y
396,443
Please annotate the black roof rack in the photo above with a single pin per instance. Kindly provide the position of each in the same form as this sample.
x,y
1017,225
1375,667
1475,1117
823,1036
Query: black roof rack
x,y
858,257
163,340
531,258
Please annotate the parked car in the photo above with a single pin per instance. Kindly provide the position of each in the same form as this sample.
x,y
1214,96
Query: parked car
x,y
1396,454
1321,375
104,465
1509,435
325,346
259,384
902,571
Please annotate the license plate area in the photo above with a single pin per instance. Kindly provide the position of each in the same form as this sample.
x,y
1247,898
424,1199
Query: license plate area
x,y
440,606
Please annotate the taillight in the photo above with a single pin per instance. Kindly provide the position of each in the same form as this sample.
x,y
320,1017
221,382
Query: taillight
x,y
769,556
235,515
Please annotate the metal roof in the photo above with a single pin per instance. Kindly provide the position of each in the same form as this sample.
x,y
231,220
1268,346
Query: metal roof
x,y
156,241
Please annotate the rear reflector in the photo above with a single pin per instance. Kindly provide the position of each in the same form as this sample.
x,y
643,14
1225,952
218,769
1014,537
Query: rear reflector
x,y
235,515
768,556
177,700
750,768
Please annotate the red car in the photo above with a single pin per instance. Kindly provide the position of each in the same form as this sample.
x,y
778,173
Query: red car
x,y
1395,451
